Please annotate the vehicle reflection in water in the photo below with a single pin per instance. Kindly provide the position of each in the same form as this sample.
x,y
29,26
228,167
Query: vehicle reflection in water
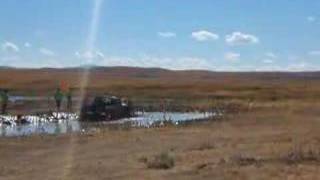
x,y
61,123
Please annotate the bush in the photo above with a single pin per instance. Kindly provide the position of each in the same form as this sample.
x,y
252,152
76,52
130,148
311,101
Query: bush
x,y
161,161
299,155
206,146
245,160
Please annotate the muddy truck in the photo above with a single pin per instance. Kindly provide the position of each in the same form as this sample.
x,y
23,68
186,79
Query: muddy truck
x,y
105,108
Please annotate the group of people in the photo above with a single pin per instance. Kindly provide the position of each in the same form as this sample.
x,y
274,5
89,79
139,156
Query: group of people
x,y
59,96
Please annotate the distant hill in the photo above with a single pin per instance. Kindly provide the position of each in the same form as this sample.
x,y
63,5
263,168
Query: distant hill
x,y
157,82
157,73
6,67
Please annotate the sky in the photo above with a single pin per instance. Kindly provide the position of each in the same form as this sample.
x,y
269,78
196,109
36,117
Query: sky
x,y
230,35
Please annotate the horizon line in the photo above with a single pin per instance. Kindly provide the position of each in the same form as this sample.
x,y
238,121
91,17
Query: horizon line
x,y
158,68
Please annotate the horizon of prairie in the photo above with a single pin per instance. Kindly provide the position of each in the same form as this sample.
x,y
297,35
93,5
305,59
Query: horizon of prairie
x,y
161,83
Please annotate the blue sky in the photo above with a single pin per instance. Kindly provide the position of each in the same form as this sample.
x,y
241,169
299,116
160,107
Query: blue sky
x,y
237,35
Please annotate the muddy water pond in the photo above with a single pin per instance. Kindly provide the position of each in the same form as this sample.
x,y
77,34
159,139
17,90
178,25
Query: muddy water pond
x,y
61,123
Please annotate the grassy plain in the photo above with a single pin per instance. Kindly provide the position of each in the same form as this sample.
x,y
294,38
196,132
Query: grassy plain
x,y
273,133
200,89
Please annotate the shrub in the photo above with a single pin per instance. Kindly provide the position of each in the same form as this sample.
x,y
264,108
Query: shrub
x,y
245,160
161,161
299,155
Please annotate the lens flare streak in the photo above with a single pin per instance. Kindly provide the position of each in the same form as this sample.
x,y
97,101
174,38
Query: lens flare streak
x,y
90,48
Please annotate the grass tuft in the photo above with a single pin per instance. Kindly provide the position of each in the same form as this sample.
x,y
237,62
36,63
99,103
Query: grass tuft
x,y
299,155
161,161
245,160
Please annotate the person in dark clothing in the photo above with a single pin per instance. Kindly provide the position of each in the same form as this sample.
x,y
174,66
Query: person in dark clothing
x,y
58,97
69,99
4,98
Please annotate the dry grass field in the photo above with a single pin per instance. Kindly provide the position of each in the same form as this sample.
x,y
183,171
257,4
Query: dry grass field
x,y
160,83
262,144
274,134
185,88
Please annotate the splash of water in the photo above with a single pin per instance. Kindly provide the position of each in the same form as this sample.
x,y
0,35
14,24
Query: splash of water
x,y
90,48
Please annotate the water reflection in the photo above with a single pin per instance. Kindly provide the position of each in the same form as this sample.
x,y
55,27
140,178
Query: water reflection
x,y
61,123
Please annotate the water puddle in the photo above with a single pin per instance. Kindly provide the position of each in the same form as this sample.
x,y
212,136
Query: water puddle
x,y
61,123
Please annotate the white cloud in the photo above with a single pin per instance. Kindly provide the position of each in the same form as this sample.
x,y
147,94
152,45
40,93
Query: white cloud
x,y
271,55
204,35
231,56
90,55
167,34
179,63
301,66
268,61
314,53
27,44
239,38
19,62
311,18
294,58
99,54
269,68
47,52
9,47
8,60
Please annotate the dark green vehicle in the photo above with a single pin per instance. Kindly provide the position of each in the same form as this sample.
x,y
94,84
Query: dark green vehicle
x,y
105,108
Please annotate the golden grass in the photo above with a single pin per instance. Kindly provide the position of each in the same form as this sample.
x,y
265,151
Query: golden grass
x,y
191,90
273,132
176,85
263,143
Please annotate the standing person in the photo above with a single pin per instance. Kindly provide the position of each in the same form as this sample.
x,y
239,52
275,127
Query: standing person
x,y
69,100
58,97
4,101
